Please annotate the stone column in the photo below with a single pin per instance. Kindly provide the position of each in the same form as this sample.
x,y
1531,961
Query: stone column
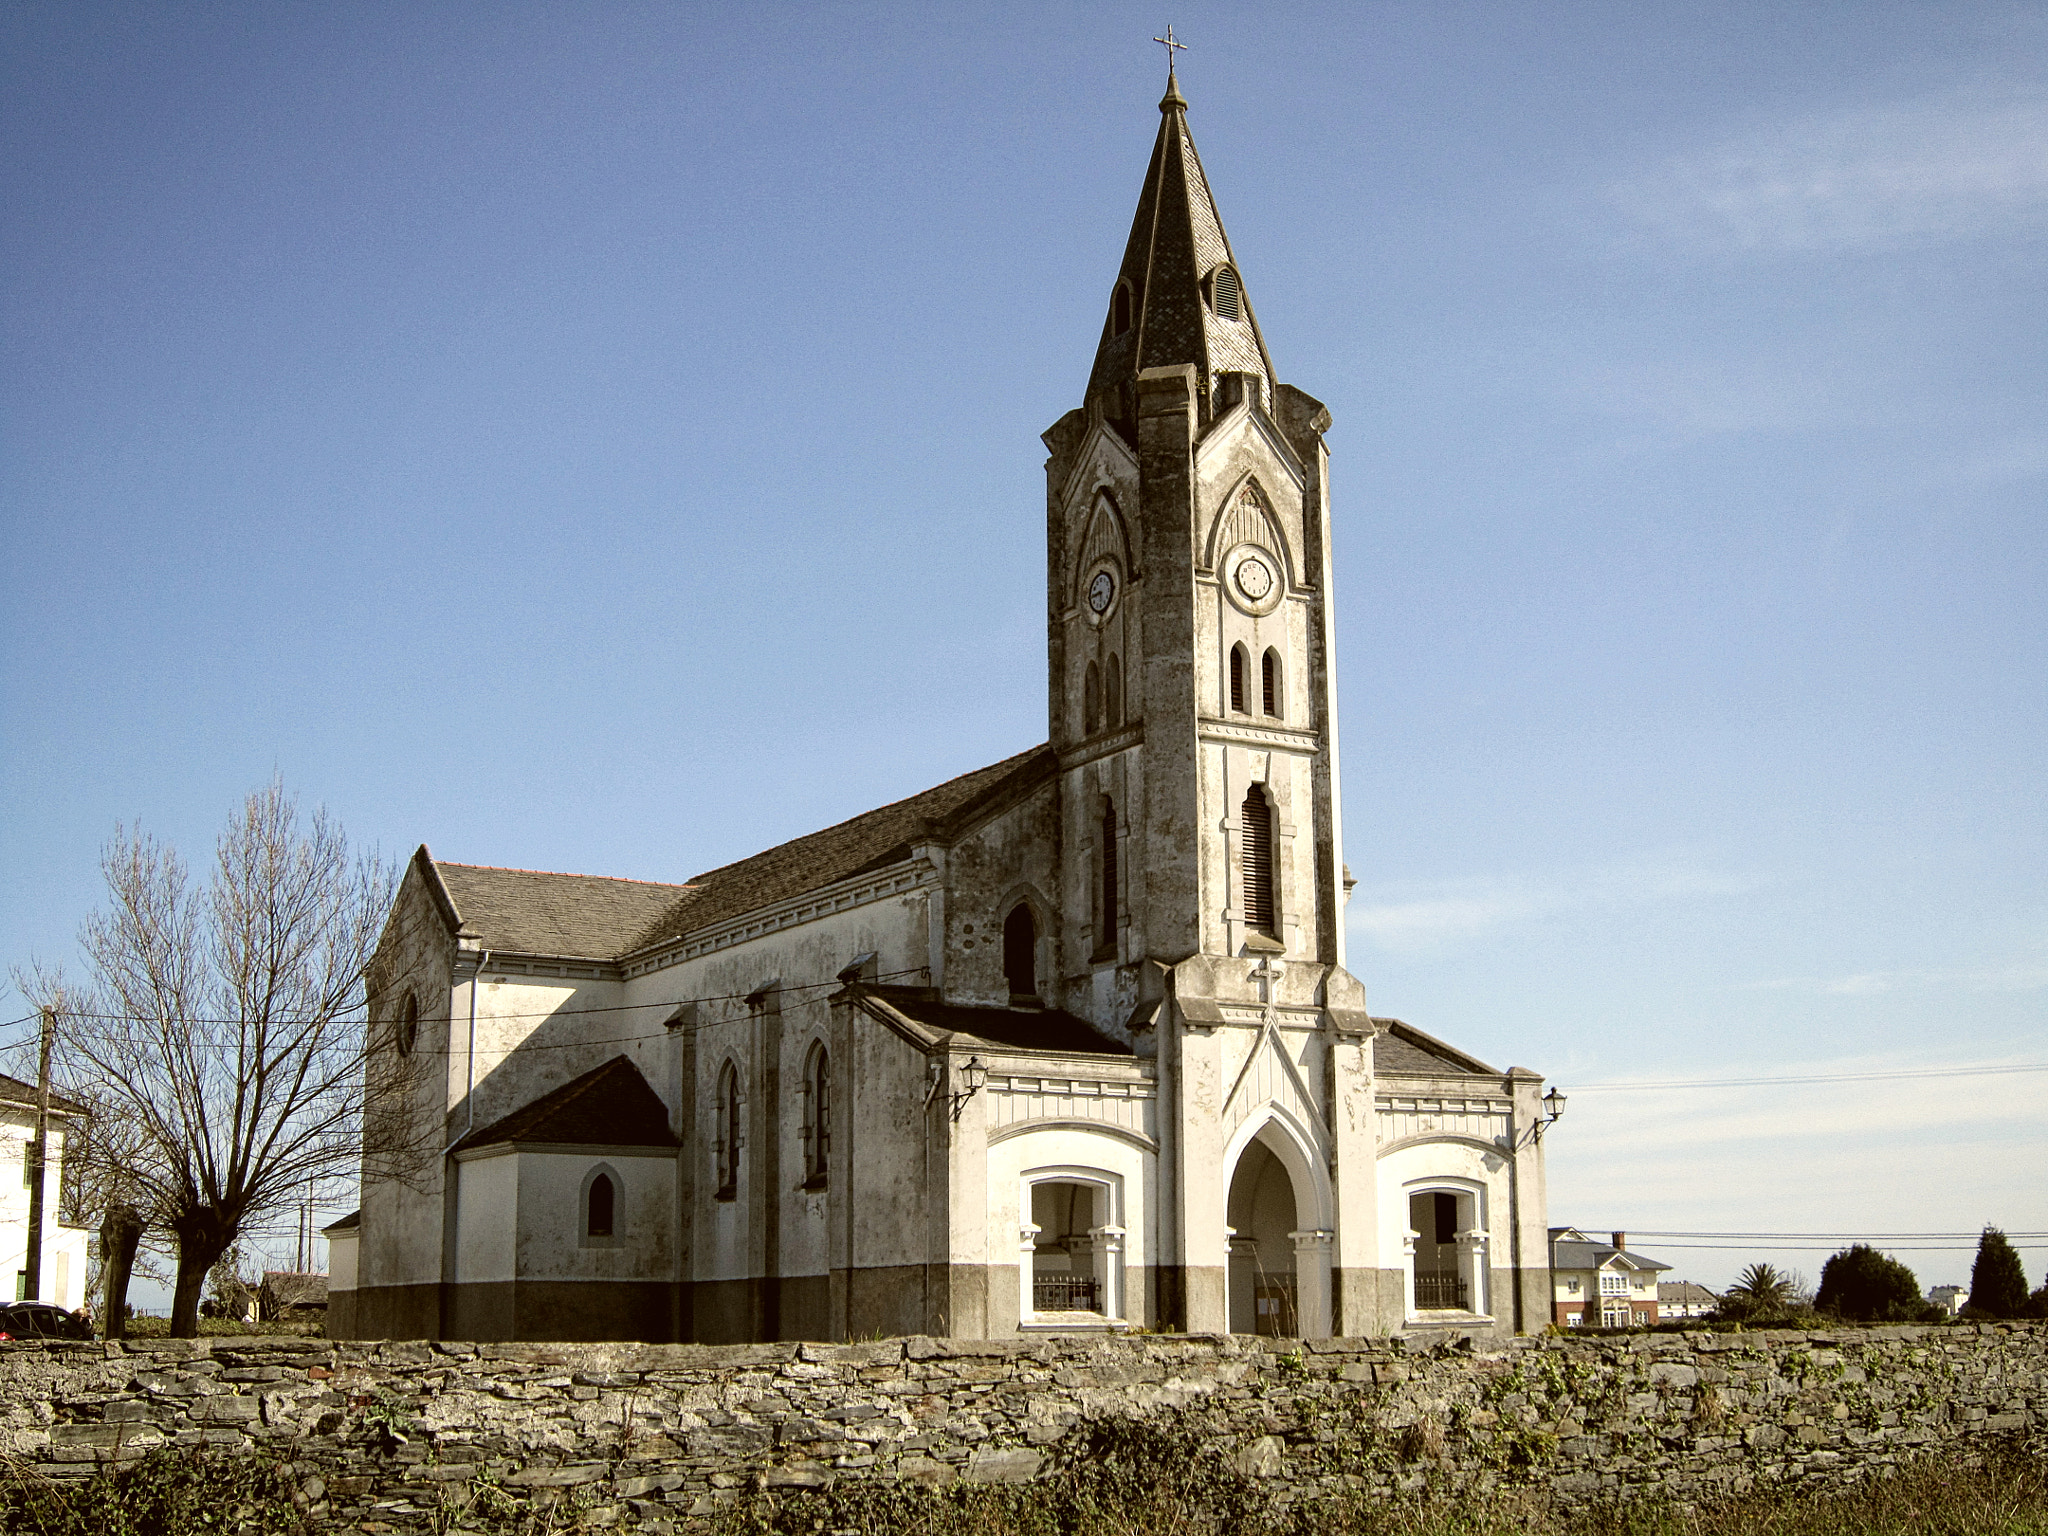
x,y
1027,1247
1312,1281
1108,1243
1472,1250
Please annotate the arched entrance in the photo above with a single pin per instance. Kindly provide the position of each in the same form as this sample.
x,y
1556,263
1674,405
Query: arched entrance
x,y
1263,1295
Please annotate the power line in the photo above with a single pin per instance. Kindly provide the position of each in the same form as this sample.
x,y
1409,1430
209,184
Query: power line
x,y
1865,1237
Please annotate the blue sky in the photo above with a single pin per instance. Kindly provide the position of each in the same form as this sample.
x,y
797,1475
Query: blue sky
x,y
606,440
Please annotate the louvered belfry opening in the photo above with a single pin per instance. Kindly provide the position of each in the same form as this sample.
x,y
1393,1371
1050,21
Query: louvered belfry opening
x,y
1237,679
1105,940
1269,682
1224,287
1257,860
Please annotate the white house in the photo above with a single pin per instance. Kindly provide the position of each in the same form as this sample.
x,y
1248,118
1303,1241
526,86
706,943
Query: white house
x,y
64,1248
1067,1042
1601,1285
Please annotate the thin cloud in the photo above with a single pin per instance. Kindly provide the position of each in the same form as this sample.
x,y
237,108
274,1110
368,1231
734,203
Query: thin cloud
x,y
1422,918
2011,978
1943,168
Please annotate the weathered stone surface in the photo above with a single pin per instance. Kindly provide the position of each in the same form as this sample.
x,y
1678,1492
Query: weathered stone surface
x,y
397,1432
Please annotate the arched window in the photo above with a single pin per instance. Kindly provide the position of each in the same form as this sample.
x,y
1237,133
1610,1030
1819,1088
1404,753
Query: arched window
x,y
1120,310
1091,700
1020,951
1224,294
1105,937
1237,665
599,1206
1113,692
1269,682
728,1132
817,1116
407,1031
1256,860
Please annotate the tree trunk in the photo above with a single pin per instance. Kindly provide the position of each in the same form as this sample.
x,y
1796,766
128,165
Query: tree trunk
x,y
203,1236
120,1233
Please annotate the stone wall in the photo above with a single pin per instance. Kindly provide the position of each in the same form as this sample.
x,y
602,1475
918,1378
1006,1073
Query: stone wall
x,y
665,1433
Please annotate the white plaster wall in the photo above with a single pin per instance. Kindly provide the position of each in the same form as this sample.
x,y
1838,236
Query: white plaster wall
x,y
64,1248
1417,1166
550,1220
486,1211
341,1261
1016,1157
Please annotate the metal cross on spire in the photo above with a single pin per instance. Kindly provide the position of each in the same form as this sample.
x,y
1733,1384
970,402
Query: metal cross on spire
x,y
1170,43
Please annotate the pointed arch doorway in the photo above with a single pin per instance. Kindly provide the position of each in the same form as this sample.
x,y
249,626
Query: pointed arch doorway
x,y
1279,1276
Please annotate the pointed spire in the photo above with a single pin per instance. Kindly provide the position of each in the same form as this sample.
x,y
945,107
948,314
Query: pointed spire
x,y
1179,296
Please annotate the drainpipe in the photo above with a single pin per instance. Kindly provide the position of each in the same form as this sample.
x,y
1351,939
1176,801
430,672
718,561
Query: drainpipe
x,y
451,1185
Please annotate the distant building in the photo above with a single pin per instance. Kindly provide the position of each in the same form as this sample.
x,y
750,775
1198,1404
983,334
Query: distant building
x,y
1950,1298
64,1248
1601,1285
286,1294
1681,1298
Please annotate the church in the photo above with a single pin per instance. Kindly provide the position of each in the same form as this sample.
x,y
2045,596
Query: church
x,y
1064,1044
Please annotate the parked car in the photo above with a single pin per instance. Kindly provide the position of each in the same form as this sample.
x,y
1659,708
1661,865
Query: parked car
x,y
41,1320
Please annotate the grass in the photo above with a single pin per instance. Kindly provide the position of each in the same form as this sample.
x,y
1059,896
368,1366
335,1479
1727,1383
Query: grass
x,y
225,1327
1134,1483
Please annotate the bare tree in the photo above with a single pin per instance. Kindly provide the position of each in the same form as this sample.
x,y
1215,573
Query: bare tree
x,y
224,1031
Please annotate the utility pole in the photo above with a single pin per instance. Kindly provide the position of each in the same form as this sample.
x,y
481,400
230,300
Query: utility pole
x,y
37,1159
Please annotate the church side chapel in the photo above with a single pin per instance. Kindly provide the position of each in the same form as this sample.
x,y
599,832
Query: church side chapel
x,y
1063,1044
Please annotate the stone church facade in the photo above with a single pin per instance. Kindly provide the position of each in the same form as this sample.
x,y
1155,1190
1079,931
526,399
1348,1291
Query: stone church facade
x,y
1066,1043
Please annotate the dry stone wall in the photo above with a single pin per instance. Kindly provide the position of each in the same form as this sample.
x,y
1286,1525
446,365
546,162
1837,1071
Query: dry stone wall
x,y
387,1436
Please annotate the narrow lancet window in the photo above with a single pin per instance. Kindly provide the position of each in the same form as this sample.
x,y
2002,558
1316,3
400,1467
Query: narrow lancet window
x,y
728,1132
598,1220
1237,679
817,1117
1120,310
1113,693
1105,938
1091,700
1256,861
1020,951
1269,682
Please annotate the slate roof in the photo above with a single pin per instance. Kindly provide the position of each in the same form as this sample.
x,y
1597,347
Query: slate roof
x,y
868,841
352,1222
537,913
1584,1253
608,1106
14,1091
1402,1050
1176,238
1684,1290
1025,1029
595,917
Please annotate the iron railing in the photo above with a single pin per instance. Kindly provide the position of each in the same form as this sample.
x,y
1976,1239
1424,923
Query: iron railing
x,y
1064,1293
1439,1290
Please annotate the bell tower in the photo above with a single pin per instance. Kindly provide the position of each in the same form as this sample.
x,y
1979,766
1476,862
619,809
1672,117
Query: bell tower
x,y
1193,707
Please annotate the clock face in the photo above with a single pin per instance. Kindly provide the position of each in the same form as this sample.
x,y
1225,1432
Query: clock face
x,y
1254,578
1101,592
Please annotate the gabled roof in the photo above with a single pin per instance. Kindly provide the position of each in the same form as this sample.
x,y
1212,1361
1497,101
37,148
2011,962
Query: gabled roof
x,y
1176,240
352,1222
1570,1250
537,913
14,1091
868,841
599,918
608,1106
1684,1290
1020,1029
1402,1050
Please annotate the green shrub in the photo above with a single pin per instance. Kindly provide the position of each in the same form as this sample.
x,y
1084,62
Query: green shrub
x,y
1866,1286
